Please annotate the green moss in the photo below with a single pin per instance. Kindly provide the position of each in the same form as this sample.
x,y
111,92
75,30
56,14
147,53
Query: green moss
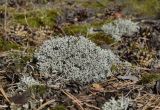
x,y
9,9
37,18
7,45
38,89
41,1
59,107
95,4
100,23
82,29
149,78
144,7
114,68
76,29
101,38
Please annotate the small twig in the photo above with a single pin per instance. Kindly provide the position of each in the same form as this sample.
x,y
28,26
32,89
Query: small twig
x,y
3,54
4,94
2,71
47,103
5,19
79,102
140,68
3,106
91,106
74,99
27,20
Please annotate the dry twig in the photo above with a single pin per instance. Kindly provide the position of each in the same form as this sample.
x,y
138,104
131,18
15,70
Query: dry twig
x,y
74,99
4,94
5,18
2,71
91,106
79,103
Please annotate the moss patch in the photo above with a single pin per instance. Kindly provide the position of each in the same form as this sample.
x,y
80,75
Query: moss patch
x,y
101,38
82,28
149,78
100,23
95,4
37,18
59,107
144,7
114,68
76,29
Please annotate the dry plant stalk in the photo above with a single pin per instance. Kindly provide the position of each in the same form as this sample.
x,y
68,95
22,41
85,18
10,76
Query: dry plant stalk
x,y
5,18
4,94
74,99
78,102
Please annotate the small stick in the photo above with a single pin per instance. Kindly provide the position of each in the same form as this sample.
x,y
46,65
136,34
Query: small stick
x,y
79,102
4,94
74,99
5,17
3,106
3,54
47,103
91,106
2,71
27,21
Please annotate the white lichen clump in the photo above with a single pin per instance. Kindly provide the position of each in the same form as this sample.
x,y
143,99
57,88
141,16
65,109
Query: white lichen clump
x,y
29,81
76,59
26,82
120,27
120,104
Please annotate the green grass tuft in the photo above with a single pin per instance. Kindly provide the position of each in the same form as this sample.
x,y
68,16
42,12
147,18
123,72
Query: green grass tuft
x,y
8,45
